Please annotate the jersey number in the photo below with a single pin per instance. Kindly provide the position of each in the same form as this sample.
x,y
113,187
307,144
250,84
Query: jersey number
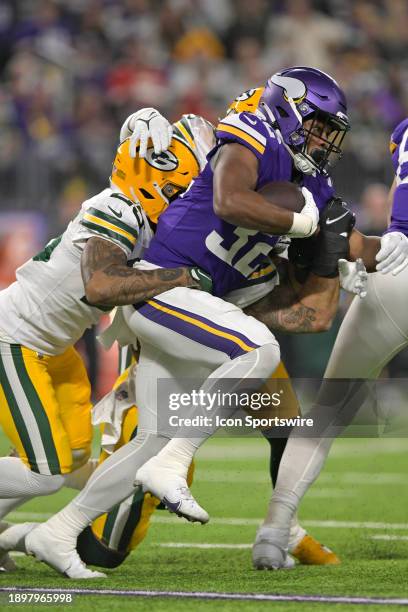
x,y
242,264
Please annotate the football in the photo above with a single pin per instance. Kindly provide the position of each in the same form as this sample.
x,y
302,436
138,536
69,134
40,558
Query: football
x,y
283,194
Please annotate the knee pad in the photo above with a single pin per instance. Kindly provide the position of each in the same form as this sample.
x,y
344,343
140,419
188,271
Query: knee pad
x,y
79,457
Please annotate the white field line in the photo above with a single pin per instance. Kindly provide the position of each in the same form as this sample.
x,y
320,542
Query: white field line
x,y
392,538
228,449
216,545
214,596
261,476
206,545
43,516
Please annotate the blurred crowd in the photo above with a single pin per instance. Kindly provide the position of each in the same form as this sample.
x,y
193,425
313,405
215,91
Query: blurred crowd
x,y
72,70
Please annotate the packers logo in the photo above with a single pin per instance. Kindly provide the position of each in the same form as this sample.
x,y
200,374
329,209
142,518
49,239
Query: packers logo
x,y
245,95
166,161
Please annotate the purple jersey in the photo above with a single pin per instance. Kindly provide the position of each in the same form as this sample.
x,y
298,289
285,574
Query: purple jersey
x,y
190,233
399,152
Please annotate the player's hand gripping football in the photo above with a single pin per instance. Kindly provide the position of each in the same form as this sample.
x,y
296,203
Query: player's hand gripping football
x,y
144,124
305,222
393,255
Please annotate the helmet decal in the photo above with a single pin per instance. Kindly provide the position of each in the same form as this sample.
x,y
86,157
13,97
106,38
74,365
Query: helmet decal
x,y
165,161
245,95
293,88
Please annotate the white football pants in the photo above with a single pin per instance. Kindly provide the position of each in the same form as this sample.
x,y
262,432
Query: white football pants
x,y
373,331
184,334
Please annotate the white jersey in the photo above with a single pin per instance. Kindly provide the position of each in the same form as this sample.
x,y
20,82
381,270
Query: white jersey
x,y
46,309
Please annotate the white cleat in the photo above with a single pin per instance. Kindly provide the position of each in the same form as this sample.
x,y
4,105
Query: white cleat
x,y
59,552
6,562
171,489
270,550
13,537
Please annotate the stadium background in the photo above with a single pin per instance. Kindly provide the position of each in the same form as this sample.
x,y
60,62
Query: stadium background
x,y
72,70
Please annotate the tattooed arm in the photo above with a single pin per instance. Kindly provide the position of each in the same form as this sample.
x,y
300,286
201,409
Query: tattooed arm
x,y
109,281
307,308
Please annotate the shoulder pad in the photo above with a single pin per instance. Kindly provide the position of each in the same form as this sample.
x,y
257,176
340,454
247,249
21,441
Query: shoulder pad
x,y
246,128
398,134
247,101
113,215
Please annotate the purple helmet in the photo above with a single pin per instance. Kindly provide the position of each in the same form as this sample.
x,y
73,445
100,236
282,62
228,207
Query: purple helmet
x,y
297,95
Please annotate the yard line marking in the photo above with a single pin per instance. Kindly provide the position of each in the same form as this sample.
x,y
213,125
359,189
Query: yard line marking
x,y
204,546
384,536
213,595
223,449
355,525
307,523
365,478
357,478
42,516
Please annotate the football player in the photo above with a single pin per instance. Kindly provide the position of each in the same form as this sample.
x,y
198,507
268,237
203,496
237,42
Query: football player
x,y
373,331
251,151
44,389
112,536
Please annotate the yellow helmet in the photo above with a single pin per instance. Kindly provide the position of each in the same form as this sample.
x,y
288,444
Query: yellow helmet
x,y
156,180
247,101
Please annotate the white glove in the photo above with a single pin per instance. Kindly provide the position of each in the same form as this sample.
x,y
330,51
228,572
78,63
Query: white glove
x,y
393,255
305,223
353,277
144,124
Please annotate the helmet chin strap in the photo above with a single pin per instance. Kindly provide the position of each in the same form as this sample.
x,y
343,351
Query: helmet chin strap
x,y
300,162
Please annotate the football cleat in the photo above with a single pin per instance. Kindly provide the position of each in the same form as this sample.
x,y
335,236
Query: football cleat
x,y
13,537
7,564
270,550
171,489
310,552
59,552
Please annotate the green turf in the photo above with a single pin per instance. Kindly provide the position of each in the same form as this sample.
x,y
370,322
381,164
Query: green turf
x,y
363,481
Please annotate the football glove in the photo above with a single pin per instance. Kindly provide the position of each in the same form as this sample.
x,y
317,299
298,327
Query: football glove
x,y
144,124
393,255
330,247
337,218
202,279
305,223
301,252
353,277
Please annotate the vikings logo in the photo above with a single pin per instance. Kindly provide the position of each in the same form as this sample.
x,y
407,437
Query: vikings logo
x,y
292,88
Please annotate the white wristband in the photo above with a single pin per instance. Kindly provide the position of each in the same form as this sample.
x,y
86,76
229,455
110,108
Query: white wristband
x,y
302,226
